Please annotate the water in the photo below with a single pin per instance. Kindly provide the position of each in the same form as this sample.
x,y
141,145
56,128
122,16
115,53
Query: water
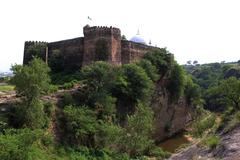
x,y
173,143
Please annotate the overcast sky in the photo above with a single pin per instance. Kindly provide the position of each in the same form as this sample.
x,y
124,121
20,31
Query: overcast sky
x,y
203,30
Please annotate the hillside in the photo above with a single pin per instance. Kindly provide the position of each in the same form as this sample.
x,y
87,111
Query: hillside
x,y
99,112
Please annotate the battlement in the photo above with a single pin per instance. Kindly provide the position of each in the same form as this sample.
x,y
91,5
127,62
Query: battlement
x,y
101,31
30,43
100,43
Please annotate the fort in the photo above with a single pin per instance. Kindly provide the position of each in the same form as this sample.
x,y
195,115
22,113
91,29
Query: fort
x,y
98,43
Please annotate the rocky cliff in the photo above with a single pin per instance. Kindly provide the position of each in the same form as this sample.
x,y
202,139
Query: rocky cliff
x,y
170,117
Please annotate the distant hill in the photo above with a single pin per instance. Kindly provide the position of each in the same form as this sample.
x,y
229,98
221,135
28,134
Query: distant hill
x,y
6,74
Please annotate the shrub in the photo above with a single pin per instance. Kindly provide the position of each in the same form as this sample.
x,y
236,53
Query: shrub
x,y
32,80
203,124
52,88
231,122
212,141
80,125
176,82
133,84
49,108
137,137
161,59
69,85
18,144
158,152
68,99
150,69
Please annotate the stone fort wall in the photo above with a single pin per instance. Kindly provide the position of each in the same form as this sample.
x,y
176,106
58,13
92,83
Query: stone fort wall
x,y
74,53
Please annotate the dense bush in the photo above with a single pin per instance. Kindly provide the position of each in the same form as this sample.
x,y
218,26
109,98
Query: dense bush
x,y
133,84
19,144
211,141
79,125
192,92
31,82
150,69
161,59
202,124
176,82
137,137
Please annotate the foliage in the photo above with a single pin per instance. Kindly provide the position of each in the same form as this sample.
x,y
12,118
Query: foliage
x,y
225,94
208,76
67,99
161,59
230,121
211,141
137,138
37,50
49,108
133,84
202,124
98,76
230,91
64,77
150,69
159,153
98,81
192,92
176,82
80,125
31,81
18,144
52,88
68,85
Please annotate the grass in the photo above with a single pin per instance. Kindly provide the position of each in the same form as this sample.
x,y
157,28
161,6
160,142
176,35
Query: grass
x,y
203,124
233,121
211,141
6,88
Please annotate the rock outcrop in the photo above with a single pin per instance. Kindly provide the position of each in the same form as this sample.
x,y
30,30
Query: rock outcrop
x,y
228,149
170,117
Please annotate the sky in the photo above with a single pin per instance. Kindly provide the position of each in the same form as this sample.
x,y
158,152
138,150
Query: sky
x,y
202,30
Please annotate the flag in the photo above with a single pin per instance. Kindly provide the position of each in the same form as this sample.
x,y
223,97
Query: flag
x,y
89,18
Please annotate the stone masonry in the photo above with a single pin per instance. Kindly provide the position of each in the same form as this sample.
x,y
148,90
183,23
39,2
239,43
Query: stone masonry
x,y
98,43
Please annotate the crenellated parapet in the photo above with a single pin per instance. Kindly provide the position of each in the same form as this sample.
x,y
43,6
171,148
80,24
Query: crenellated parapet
x,y
100,43
31,43
34,49
101,31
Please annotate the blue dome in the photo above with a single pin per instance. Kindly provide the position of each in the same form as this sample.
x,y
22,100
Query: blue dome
x,y
138,39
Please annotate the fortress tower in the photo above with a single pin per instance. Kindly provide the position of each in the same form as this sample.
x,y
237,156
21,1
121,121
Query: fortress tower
x,y
102,44
98,44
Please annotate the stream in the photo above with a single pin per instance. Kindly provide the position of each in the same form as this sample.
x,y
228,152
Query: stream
x,y
173,143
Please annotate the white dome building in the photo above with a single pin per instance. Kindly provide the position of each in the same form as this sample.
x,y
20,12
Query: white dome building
x,y
138,39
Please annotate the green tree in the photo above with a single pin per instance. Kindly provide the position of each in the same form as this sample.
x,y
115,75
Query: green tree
x,y
192,92
133,84
230,91
31,81
137,138
98,80
161,59
80,125
176,82
150,69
